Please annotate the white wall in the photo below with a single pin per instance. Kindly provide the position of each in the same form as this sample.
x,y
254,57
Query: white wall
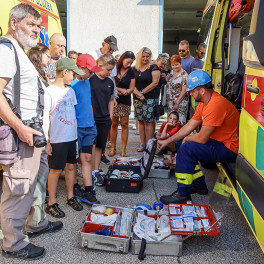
x,y
135,24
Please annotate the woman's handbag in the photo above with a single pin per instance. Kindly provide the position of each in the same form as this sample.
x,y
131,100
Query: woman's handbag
x,y
158,110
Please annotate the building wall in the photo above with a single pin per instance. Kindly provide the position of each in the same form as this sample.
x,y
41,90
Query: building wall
x,y
135,24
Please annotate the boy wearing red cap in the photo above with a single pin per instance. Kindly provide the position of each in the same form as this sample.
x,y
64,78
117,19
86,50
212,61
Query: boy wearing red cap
x,y
85,126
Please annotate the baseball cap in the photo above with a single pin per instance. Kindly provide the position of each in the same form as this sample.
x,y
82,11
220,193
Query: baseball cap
x,y
68,64
197,78
87,61
111,40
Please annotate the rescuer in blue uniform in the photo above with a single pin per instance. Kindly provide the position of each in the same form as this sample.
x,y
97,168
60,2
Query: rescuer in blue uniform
x,y
216,141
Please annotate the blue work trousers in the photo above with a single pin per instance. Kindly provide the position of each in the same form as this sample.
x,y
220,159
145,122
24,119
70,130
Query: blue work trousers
x,y
188,155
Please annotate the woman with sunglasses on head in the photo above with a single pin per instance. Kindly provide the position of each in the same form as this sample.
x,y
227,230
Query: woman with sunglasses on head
x,y
177,98
125,84
147,78
39,56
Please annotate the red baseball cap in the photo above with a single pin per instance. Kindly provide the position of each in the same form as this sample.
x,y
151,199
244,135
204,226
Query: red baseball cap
x,y
87,61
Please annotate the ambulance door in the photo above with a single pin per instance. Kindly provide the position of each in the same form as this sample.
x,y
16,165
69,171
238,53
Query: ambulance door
x,y
252,122
215,57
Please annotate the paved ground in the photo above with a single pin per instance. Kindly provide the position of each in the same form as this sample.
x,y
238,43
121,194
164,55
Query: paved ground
x,y
235,244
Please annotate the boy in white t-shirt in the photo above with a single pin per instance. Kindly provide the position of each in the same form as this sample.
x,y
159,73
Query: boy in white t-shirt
x,y
62,145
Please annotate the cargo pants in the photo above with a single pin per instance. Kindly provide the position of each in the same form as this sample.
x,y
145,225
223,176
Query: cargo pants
x,y
22,207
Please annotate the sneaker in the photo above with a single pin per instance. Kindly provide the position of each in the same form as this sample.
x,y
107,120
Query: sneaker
x,y
75,204
104,159
29,252
52,227
54,210
175,197
78,191
89,198
99,178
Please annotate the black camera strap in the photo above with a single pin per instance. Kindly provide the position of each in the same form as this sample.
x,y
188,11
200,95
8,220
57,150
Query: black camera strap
x,y
40,106
15,106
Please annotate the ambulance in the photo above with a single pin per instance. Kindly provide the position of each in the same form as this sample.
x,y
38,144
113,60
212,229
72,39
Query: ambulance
x,y
234,33
49,13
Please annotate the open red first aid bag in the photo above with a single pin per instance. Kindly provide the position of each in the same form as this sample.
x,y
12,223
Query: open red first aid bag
x,y
194,219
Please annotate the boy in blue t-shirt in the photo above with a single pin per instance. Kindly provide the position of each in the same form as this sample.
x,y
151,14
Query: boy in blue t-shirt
x,y
85,126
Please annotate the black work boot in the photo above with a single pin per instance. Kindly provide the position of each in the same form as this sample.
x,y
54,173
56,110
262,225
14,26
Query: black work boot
x,y
52,227
199,190
175,197
29,252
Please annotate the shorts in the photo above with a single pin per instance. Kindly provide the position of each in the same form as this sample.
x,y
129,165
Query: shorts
x,y
62,153
121,110
102,133
86,138
144,111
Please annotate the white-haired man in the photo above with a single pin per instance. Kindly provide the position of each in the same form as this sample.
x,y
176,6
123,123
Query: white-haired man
x,y
20,178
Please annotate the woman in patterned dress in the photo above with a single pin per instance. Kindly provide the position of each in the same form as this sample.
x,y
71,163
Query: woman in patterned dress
x,y
177,98
147,78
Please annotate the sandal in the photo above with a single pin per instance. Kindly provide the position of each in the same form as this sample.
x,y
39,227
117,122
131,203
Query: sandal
x,y
137,132
54,210
108,144
112,152
141,148
75,204
123,154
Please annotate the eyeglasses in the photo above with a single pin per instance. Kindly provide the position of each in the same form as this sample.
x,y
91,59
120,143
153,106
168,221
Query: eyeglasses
x,y
181,50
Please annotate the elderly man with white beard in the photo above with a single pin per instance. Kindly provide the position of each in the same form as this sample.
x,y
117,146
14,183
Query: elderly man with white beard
x,y
20,178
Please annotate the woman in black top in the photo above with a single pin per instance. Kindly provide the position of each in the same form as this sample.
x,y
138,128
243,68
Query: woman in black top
x,y
125,84
147,79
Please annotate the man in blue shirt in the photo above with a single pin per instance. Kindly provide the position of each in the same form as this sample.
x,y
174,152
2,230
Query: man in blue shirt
x,y
198,59
85,126
184,52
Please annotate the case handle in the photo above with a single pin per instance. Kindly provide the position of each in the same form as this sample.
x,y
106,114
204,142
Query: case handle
x,y
141,254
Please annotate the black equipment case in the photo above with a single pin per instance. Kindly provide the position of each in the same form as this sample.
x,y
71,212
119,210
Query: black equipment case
x,y
130,185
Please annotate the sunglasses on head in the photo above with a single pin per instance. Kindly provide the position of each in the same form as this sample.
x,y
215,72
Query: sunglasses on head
x,y
181,50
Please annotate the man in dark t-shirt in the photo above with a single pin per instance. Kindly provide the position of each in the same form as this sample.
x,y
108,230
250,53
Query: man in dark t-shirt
x,y
102,90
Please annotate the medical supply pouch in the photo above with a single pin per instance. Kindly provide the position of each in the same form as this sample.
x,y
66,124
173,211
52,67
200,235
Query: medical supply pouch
x,y
194,219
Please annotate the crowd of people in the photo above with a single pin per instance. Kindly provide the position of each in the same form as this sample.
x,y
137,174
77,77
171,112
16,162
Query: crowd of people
x,y
85,98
